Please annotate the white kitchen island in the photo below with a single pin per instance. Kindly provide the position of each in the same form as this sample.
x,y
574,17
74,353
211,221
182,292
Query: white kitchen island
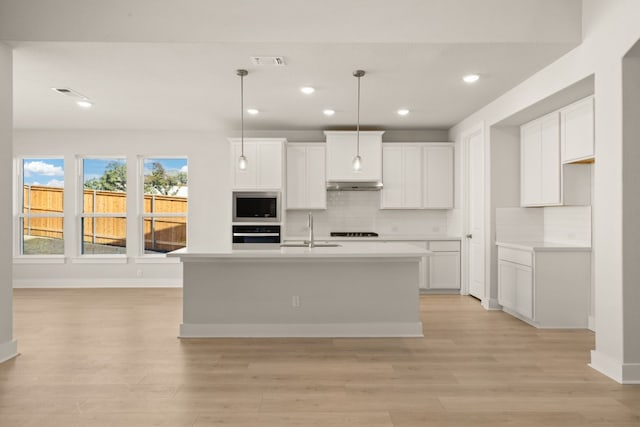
x,y
354,290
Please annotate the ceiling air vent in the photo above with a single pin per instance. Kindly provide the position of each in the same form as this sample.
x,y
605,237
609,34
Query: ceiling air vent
x,y
69,92
277,61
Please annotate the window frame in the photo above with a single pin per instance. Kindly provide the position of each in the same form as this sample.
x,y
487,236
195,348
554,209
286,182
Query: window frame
x,y
81,215
142,215
20,215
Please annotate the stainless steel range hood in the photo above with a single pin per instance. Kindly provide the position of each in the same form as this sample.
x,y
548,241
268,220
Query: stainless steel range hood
x,y
354,185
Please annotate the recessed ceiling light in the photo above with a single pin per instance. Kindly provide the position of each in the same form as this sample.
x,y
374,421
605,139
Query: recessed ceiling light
x,y
403,112
471,78
307,90
252,111
328,112
84,103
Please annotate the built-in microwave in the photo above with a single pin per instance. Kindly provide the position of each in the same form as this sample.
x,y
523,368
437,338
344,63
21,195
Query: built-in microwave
x,y
256,206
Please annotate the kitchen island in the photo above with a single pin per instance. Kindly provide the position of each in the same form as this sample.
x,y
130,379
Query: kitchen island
x,y
353,290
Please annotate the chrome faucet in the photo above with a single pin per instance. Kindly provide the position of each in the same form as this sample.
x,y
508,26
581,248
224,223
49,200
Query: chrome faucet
x,y
310,242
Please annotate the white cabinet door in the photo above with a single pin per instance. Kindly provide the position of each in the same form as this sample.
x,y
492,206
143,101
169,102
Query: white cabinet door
x,y
411,177
264,164
269,165
531,163
247,178
515,288
306,186
540,162
342,148
507,280
550,161
402,176
316,182
296,177
577,130
444,270
524,291
438,177
393,177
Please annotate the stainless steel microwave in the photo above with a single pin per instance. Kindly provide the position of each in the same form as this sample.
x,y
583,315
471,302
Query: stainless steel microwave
x,y
256,206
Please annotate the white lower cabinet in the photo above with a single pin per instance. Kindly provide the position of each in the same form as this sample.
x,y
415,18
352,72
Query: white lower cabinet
x,y
444,270
546,288
440,271
515,291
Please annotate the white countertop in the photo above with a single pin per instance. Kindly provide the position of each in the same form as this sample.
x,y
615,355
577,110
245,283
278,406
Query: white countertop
x,y
543,246
345,250
381,237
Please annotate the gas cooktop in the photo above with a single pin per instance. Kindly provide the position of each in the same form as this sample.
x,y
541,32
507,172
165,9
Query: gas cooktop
x,y
353,234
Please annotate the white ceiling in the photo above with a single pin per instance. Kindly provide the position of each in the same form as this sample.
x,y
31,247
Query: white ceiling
x,y
142,74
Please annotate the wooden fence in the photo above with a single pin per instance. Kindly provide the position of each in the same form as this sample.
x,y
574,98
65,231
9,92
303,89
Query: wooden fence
x,y
161,234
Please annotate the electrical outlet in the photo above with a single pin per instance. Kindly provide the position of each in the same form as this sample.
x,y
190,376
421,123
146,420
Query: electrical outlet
x,y
139,272
295,301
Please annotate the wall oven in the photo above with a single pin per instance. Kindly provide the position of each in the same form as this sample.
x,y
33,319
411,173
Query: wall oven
x,y
256,236
253,206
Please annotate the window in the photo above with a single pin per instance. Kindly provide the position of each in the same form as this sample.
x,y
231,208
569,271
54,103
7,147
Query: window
x,y
41,215
103,220
164,210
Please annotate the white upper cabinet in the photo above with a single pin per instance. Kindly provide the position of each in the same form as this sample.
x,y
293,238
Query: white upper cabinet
x,y
549,146
264,163
438,176
417,176
306,184
402,176
342,148
577,131
540,173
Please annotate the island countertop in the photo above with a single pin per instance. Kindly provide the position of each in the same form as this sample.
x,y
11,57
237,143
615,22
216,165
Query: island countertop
x,y
345,250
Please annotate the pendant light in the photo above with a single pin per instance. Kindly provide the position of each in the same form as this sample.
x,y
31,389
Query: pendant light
x,y
242,160
357,160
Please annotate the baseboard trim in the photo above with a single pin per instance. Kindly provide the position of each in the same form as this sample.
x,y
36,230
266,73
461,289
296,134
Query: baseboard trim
x,y
591,323
316,330
624,373
8,350
98,283
491,304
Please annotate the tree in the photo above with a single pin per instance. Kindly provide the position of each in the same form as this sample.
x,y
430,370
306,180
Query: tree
x,y
114,178
162,182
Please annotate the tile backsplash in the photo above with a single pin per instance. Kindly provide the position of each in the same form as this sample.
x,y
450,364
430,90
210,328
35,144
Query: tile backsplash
x,y
568,224
360,211
558,224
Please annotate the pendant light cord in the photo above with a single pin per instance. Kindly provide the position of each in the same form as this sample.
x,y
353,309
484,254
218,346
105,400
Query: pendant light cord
x,y
358,122
242,115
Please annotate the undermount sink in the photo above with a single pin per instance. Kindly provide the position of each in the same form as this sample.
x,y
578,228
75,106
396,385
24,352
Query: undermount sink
x,y
306,245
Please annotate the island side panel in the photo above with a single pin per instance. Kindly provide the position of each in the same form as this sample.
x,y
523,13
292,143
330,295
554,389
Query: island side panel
x,y
355,297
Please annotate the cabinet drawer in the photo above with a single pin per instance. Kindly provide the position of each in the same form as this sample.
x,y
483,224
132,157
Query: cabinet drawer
x,y
516,256
444,246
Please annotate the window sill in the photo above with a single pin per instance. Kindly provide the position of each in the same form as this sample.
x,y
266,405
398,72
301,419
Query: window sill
x,y
39,259
100,259
156,259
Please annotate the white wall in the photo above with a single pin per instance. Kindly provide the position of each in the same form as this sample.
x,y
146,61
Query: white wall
x,y
631,213
7,345
209,201
610,29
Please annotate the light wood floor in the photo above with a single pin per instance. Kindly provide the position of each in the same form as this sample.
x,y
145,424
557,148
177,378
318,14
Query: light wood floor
x,y
98,357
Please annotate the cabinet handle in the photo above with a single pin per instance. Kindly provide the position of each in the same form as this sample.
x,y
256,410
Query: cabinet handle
x,y
469,236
